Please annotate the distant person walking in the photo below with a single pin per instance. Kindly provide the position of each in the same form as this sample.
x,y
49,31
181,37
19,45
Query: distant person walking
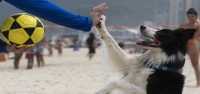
x,y
39,52
76,43
192,46
50,48
91,43
59,47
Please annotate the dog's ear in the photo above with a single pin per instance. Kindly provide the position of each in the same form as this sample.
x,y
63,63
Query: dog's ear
x,y
184,34
188,33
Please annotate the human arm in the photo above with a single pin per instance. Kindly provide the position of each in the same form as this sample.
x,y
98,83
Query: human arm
x,y
12,48
56,14
198,24
198,29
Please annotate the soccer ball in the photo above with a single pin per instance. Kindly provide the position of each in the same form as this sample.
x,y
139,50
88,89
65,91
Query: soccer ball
x,y
22,29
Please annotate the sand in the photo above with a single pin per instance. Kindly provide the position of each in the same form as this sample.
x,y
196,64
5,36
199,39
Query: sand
x,y
71,73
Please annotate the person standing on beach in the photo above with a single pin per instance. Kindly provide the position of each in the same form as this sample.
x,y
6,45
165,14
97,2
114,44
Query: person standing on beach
x,y
50,48
91,44
59,46
192,46
39,52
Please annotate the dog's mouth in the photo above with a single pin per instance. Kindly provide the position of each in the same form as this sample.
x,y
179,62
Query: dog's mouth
x,y
150,40
151,43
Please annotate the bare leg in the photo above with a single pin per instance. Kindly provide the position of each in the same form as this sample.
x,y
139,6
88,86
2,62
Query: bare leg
x,y
38,59
31,63
50,52
16,60
194,56
90,56
28,66
42,60
61,51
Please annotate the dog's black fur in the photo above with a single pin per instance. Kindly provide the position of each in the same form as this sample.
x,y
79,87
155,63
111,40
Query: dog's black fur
x,y
164,82
174,41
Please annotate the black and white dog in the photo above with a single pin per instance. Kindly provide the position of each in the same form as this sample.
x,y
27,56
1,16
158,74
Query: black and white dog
x,y
155,71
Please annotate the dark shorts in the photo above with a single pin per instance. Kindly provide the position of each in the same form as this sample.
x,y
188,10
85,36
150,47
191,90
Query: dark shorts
x,y
91,50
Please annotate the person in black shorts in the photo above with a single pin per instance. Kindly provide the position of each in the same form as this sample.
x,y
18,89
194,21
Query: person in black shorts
x,y
90,43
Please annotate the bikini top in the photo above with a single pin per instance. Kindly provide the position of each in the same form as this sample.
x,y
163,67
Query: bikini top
x,y
195,27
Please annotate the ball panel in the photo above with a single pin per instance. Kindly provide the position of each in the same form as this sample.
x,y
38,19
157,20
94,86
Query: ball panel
x,y
28,42
38,34
18,36
39,23
7,24
15,25
29,31
5,34
5,39
15,16
26,21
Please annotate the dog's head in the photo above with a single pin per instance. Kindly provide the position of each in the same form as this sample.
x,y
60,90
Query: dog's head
x,y
169,41
168,47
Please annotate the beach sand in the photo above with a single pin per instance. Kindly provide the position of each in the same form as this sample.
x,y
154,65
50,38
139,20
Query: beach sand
x,y
71,73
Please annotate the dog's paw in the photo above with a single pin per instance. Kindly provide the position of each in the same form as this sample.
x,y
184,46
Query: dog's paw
x,y
103,18
101,22
101,28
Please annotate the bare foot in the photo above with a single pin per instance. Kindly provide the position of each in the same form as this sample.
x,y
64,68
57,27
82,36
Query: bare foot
x,y
198,85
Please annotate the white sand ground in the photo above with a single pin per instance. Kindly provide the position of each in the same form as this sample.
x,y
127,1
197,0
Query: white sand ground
x,y
71,73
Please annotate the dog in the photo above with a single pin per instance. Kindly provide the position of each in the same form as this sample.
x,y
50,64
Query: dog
x,y
155,71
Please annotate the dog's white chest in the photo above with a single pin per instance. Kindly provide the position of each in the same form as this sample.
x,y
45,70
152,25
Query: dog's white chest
x,y
139,76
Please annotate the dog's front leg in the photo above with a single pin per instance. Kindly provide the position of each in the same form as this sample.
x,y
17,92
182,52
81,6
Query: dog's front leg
x,y
127,87
118,57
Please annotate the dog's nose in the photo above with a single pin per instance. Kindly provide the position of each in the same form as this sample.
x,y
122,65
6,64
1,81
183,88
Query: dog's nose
x,y
142,28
